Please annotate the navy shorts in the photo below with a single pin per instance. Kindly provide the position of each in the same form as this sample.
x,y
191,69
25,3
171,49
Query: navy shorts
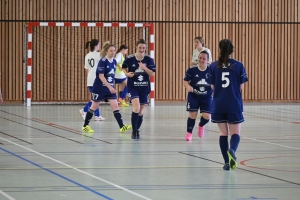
x,y
193,104
133,93
230,118
90,89
119,81
100,96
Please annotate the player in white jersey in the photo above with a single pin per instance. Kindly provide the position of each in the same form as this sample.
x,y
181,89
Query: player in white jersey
x,y
199,46
90,63
120,77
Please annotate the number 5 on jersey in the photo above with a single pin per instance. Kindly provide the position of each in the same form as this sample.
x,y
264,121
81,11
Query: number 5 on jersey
x,y
224,78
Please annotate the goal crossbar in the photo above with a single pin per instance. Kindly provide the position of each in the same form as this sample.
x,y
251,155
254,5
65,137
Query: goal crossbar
x,y
30,26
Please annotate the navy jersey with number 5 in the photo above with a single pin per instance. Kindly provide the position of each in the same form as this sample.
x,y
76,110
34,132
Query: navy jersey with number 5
x,y
141,80
198,81
227,97
108,69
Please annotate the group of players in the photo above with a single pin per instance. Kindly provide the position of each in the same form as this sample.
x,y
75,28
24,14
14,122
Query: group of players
x,y
213,87
133,72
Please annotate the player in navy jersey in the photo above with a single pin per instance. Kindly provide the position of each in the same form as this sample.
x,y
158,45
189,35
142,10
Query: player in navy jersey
x,y
199,94
103,88
138,68
227,78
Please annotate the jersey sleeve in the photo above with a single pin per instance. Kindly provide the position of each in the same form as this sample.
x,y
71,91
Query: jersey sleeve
x,y
125,64
210,56
101,67
243,75
188,75
211,76
119,57
151,65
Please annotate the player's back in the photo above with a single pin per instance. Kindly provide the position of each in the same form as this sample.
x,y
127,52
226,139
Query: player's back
x,y
227,96
90,63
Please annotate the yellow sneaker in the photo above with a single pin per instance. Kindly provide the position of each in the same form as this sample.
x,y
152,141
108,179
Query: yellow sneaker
x,y
123,103
125,128
87,129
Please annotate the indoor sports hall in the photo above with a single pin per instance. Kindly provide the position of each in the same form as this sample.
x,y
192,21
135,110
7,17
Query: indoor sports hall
x,y
46,155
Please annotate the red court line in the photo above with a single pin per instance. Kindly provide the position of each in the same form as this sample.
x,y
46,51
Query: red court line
x,y
244,161
55,125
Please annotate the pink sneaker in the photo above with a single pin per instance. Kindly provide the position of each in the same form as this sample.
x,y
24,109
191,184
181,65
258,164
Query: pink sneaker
x,y
188,136
200,131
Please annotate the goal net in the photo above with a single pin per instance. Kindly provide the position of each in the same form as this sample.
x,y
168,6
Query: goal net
x,y
55,54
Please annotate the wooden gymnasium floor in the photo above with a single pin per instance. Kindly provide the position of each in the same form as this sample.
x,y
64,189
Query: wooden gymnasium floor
x,y
45,156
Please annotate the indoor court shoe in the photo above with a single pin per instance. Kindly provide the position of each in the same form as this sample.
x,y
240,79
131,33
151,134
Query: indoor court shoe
x,y
82,113
125,128
226,167
188,136
123,103
201,131
99,118
87,129
135,134
232,159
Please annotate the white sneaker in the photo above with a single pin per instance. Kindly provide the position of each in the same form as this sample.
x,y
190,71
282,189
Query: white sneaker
x,y
83,114
100,118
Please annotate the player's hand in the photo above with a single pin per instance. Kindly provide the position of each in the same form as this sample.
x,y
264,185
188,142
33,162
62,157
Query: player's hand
x,y
112,90
142,66
1,100
190,89
130,74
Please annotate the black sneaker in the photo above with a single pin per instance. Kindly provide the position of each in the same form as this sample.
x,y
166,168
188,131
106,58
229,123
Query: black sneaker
x,y
226,167
134,134
232,159
138,134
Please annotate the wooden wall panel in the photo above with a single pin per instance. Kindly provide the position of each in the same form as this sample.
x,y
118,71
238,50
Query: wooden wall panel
x,y
265,34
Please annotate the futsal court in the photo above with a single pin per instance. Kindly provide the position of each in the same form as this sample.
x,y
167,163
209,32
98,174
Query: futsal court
x,y
45,156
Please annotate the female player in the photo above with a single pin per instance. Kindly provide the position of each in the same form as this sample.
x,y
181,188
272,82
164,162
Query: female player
x,y
199,95
199,46
227,78
120,77
104,87
138,68
90,63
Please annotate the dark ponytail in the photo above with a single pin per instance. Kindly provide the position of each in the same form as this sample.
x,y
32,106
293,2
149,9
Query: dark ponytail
x,y
92,44
226,48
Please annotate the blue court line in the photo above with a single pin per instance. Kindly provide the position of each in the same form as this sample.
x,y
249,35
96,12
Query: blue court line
x,y
61,176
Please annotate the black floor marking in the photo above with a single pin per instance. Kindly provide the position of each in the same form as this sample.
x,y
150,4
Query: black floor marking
x,y
298,184
70,131
42,130
15,137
